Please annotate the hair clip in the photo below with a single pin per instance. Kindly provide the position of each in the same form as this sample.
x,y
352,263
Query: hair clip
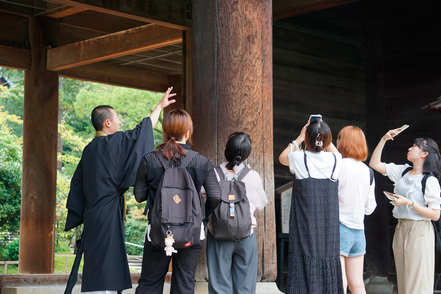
x,y
317,142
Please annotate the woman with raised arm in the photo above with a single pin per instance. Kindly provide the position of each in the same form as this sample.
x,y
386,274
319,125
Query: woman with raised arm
x,y
356,196
314,236
178,128
413,242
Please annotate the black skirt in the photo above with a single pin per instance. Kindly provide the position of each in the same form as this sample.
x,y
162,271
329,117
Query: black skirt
x,y
314,238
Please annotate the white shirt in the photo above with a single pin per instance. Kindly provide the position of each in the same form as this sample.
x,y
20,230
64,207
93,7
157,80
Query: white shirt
x,y
323,160
410,187
356,196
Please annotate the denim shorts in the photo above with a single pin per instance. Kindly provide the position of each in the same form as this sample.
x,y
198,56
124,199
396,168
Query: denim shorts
x,y
352,242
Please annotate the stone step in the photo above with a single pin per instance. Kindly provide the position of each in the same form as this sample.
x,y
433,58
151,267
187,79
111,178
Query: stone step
x,y
200,288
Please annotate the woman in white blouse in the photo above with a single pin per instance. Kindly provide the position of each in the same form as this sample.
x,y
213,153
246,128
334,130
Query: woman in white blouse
x,y
413,243
356,197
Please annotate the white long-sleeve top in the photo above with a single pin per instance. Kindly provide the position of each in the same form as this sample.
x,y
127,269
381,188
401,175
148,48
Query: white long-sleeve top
x,y
410,187
355,193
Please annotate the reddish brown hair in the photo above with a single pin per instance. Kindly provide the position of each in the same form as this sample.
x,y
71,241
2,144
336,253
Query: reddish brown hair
x,y
352,143
175,125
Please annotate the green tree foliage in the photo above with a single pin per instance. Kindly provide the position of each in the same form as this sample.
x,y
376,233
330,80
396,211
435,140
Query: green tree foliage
x,y
135,232
10,177
12,250
11,97
130,104
77,99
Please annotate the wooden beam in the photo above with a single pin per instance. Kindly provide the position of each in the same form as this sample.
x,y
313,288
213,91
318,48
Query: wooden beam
x,y
66,12
169,13
13,29
111,46
98,22
118,76
288,8
15,58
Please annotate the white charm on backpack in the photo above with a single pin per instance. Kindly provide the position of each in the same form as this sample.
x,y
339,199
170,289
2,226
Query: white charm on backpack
x,y
202,231
169,244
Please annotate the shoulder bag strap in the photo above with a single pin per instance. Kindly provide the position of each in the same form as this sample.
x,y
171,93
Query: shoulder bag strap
x,y
424,180
371,175
306,166
186,160
406,170
165,163
242,173
335,164
220,172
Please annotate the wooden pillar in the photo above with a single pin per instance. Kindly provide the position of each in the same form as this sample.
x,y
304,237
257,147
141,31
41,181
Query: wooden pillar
x,y
187,70
40,136
232,91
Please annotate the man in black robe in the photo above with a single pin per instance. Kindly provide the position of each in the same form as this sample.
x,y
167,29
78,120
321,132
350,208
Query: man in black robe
x,y
106,170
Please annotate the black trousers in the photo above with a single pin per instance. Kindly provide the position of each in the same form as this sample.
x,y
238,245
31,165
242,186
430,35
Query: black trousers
x,y
155,265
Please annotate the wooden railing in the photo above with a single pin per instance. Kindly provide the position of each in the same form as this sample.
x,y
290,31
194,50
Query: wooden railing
x,y
5,263
66,269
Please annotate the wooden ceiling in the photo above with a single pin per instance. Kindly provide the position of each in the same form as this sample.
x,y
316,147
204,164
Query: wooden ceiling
x,y
138,43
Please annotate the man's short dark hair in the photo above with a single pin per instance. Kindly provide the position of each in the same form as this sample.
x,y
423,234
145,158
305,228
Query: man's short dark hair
x,y
99,115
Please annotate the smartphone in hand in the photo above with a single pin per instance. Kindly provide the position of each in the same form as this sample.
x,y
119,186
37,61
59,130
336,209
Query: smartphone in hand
x,y
390,195
402,129
314,117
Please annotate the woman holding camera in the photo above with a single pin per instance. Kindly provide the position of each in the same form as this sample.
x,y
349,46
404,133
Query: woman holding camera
x,y
314,238
413,243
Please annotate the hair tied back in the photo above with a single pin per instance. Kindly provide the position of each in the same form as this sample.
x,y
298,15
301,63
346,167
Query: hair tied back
x,y
317,142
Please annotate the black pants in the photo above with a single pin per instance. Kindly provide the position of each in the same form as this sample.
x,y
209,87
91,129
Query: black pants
x,y
155,265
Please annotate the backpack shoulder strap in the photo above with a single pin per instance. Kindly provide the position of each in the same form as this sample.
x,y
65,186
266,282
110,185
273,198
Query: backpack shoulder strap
x,y
220,172
186,160
406,170
243,172
165,163
424,180
371,174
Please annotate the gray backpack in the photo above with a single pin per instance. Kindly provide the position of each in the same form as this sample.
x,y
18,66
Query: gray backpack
x,y
231,219
177,207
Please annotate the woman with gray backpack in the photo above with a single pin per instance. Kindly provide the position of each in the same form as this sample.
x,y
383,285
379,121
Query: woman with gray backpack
x,y
231,241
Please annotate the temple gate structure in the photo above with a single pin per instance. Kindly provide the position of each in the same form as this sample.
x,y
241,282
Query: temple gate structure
x,y
237,65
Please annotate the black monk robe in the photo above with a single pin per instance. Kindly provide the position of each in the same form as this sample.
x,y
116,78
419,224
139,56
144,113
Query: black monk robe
x,y
106,170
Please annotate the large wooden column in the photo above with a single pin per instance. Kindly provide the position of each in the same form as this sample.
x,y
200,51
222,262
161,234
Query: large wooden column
x,y
37,224
232,91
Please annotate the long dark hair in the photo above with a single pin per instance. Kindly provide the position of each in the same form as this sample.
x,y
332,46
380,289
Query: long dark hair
x,y
175,125
433,159
238,149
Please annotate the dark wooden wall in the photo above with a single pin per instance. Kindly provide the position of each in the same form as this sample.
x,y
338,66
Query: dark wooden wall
x,y
314,74
412,75
373,64
412,79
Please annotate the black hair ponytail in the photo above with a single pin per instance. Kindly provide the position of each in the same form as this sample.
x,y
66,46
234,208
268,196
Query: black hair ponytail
x,y
237,149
